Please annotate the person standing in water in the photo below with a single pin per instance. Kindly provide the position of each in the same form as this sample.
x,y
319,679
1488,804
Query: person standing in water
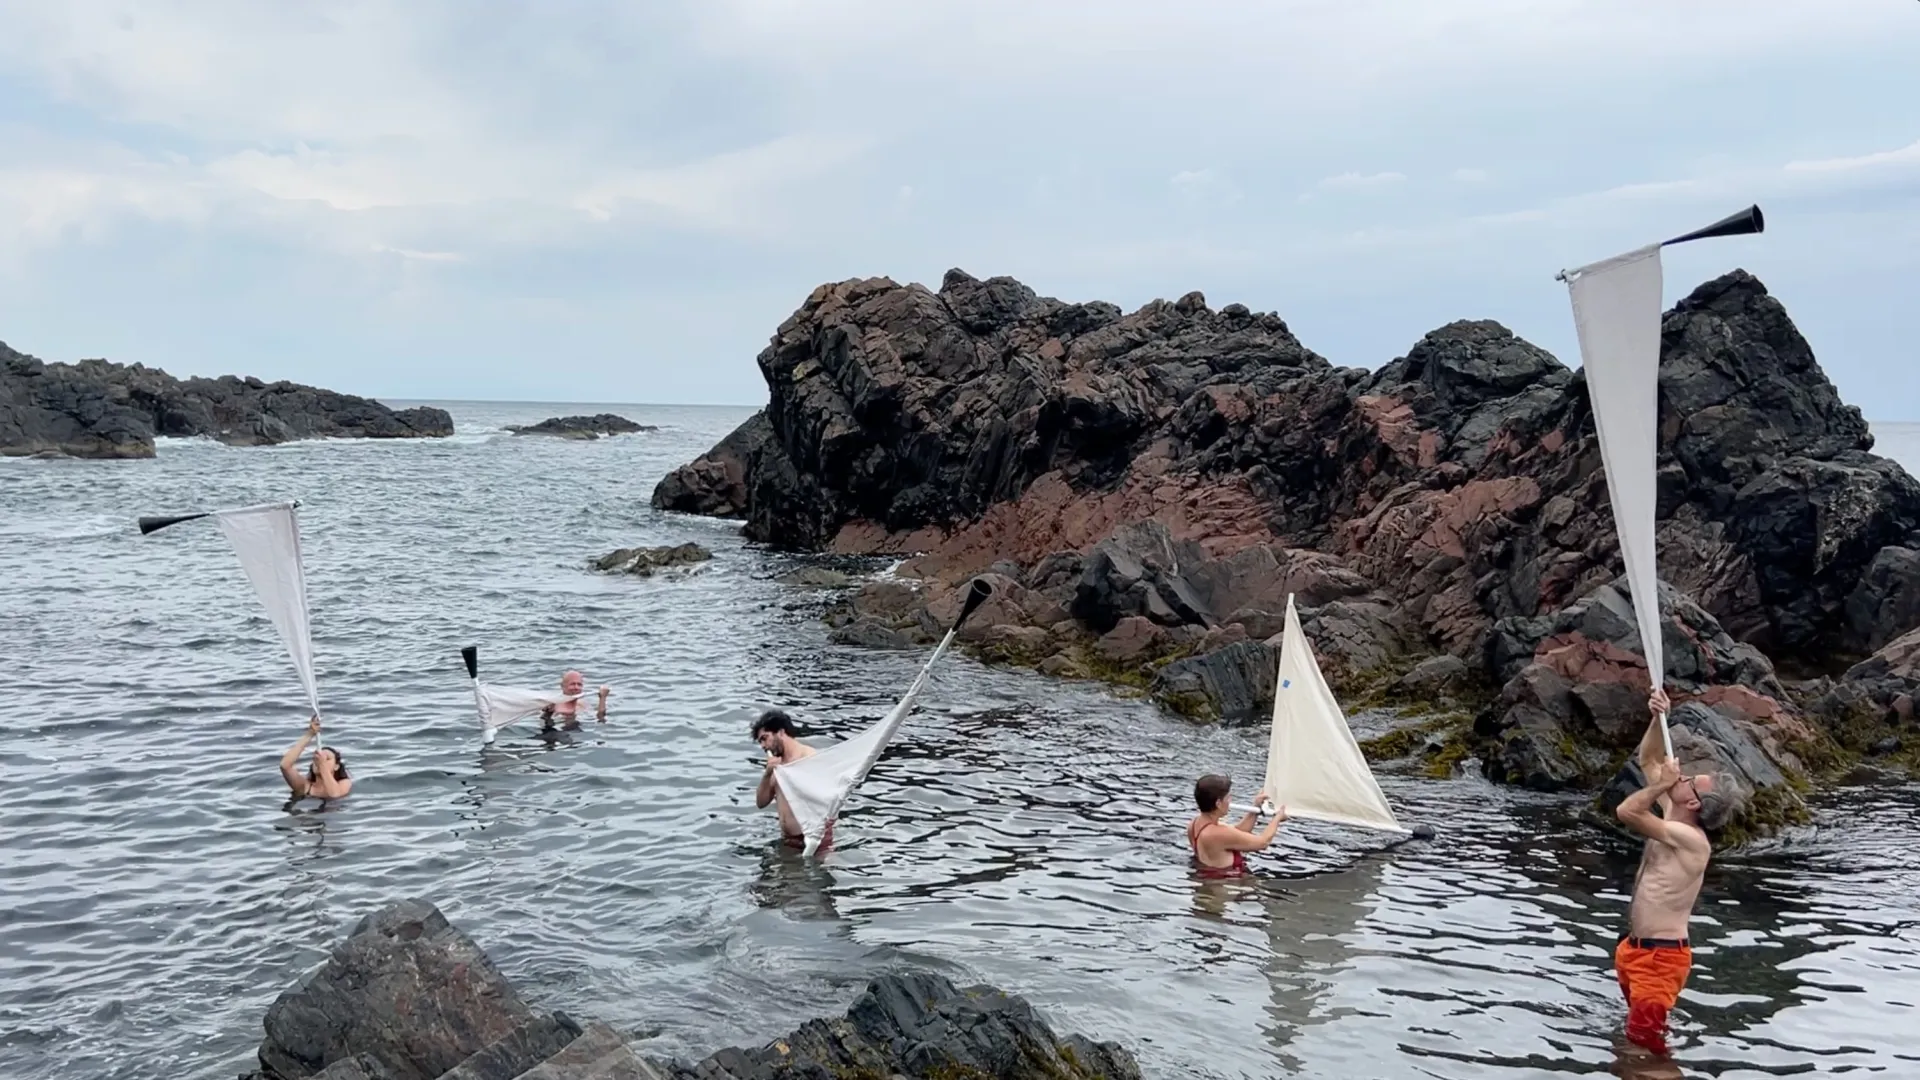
x,y
566,715
1653,960
326,776
775,733
1220,849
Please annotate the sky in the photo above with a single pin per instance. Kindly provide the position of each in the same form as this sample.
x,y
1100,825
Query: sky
x,y
583,200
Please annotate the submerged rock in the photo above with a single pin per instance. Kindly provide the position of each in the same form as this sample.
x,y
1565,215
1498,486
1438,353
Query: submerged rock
x,y
97,409
644,561
582,427
407,996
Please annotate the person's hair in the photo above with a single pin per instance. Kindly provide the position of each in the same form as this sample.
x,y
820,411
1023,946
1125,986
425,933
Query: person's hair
x,y
339,764
1716,807
1209,790
773,721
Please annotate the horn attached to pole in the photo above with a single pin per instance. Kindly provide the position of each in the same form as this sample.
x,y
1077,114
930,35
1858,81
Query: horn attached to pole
x,y
1743,223
150,524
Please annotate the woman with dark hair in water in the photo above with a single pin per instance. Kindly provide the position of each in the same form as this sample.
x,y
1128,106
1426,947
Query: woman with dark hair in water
x,y
1220,849
326,776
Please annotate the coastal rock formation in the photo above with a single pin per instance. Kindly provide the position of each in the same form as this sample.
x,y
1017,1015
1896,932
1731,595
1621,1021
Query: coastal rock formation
x,y
1158,482
582,427
643,561
407,996
97,409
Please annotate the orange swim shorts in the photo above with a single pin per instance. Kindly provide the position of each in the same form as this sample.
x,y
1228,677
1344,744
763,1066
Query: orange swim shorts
x,y
1651,978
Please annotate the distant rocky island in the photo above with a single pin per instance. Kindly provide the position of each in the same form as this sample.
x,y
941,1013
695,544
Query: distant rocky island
x,y
582,427
98,409
407,996
1149,489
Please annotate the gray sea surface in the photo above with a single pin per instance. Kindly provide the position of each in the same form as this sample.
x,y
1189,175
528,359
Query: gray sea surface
x,y
155,895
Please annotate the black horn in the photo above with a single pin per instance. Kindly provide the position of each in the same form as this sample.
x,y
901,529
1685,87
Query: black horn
x,y
149,524
975,597
1743,223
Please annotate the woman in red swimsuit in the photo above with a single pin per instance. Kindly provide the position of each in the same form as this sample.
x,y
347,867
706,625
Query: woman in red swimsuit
x,y
1219,849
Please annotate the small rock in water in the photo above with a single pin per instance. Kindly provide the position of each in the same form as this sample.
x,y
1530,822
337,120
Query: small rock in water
x,y
643,561
582,427
1888,745
817,577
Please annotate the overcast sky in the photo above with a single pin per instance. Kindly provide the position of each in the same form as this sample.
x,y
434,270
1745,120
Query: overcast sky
x,y
599,201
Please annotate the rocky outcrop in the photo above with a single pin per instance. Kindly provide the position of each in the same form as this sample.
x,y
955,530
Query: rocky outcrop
x,y
645,561
582,427
1574,705
407,996
715,483
1160,481
96,409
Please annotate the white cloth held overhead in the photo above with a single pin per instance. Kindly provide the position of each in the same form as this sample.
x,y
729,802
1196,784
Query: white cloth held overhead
x,y
1314,767
267,539
1616,312
817,785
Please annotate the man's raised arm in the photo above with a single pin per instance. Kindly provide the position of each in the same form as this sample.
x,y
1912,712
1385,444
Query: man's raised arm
x,y
1652,746
1636,810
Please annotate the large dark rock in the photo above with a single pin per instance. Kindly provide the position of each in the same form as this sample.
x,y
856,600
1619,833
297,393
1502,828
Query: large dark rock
x,y
408,997
405,988
1140,570
715,483
922,1025
1886,602
1203,465
97,409
1574,705
581,427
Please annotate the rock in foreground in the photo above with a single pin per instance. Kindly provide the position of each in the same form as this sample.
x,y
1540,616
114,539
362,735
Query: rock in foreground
x,y
407,996
582,427
97,409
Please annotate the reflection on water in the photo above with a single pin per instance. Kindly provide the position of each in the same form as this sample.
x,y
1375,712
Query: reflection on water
x,y
155,896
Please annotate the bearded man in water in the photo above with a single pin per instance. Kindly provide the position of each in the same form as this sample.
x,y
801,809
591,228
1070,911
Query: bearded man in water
x,y
567,713
774,731
1653,960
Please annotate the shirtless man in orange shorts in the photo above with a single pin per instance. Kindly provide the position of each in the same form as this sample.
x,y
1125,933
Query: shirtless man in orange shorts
x,y
1653,960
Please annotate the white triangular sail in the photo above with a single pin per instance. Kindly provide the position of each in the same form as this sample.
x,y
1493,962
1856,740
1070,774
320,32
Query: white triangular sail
x,y
1314,766
267,539
1616,312
499,706
817,785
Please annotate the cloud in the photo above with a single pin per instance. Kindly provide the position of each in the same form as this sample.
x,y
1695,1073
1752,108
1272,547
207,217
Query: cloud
x,y
1353,181
423,177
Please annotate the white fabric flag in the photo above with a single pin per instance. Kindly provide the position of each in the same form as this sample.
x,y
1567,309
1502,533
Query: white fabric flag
x,y
502,705
1616,310
1314,766
267,539
816,786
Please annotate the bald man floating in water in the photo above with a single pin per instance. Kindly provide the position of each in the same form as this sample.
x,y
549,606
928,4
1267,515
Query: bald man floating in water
x,y
566,715
1653,960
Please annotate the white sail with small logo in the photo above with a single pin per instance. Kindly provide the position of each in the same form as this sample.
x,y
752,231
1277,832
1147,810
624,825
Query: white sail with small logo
x,y
1314,765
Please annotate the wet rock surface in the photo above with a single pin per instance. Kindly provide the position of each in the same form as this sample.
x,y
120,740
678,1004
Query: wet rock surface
x,y
1158,483
97,409
582,427
408,996
646,561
